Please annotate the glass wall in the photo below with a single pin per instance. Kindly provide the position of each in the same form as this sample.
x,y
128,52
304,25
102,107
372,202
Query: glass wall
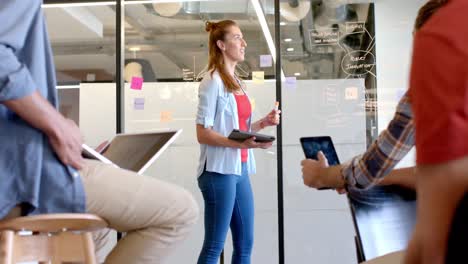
x,y
329,59
341,61
166,45
83,41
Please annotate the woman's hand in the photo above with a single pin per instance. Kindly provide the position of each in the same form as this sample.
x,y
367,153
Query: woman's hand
x,y
272,119
251,143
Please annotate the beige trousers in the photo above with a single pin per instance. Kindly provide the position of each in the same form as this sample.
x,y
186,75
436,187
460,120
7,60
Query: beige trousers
x,y
156,216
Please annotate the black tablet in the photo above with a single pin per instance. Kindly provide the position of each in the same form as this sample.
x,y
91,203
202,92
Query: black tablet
x,y
312,145
239,135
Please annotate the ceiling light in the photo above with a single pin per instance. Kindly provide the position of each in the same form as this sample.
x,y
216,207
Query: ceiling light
x,y
167,9
282,23
79,4
264,26
159,1
294,14
287,39
297,74
67,87
266,31
290,49
134,49
104,3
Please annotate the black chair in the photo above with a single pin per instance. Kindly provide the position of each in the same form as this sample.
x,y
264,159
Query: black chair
x,y
384,218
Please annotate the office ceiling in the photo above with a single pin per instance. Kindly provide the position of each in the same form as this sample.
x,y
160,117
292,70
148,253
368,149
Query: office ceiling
x,y
83,38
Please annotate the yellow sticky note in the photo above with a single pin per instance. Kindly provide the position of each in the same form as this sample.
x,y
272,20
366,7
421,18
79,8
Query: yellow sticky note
x,y
166,116
258,77
252,103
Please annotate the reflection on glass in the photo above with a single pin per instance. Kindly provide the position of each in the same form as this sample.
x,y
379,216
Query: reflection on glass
x,y
169,43
166,44
332,41
328,47
83,43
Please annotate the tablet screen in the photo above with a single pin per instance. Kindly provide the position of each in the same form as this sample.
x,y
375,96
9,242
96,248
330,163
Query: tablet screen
x,y
312,145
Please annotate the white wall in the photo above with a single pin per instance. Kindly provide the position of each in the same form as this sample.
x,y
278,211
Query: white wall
x,y
319,222
318,227
311,108
97,112
394,26
173,105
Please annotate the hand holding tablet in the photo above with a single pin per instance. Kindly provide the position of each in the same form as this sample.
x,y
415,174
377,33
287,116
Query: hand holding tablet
x,y
328,157
239,135
312,145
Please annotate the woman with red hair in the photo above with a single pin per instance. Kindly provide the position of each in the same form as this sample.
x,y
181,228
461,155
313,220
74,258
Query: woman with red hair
x,y
225,164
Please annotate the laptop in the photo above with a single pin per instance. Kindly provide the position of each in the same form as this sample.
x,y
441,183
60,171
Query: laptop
x,y
391,207
134,152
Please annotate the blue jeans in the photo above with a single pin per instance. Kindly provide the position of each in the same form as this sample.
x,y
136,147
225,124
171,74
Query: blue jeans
x,y
228,202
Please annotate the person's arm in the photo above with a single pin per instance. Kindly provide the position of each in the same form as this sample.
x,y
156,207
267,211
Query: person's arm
x,y
404,177
18,89
15,79
208,95
317,173
271,119
331,176
438,92
258,125
63,134
391,147
363,171
440,189
210,137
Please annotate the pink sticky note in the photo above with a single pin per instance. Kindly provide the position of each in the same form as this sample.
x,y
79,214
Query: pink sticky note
x,y
137,83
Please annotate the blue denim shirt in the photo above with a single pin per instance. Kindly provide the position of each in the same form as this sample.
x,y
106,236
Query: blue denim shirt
x,y
217,108
30,172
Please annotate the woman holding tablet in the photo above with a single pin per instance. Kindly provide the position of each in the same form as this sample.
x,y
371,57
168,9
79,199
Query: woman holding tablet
x,y
225,164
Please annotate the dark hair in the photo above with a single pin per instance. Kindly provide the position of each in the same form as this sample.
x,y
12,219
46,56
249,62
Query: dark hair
x,y
218,31
426,12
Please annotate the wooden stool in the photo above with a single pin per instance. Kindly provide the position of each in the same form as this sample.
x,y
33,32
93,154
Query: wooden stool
x,y
56,238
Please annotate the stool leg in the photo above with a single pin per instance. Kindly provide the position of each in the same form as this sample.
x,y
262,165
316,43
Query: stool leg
x,y
88,245
6,246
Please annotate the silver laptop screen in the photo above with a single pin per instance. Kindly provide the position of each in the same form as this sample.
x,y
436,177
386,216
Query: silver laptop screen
x,y
133,151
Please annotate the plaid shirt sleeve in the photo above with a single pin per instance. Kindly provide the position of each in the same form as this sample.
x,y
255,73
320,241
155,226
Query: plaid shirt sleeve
x,y
389,148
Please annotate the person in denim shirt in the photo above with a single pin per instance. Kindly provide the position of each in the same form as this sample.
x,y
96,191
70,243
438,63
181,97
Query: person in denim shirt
x,y
225,165
41,168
